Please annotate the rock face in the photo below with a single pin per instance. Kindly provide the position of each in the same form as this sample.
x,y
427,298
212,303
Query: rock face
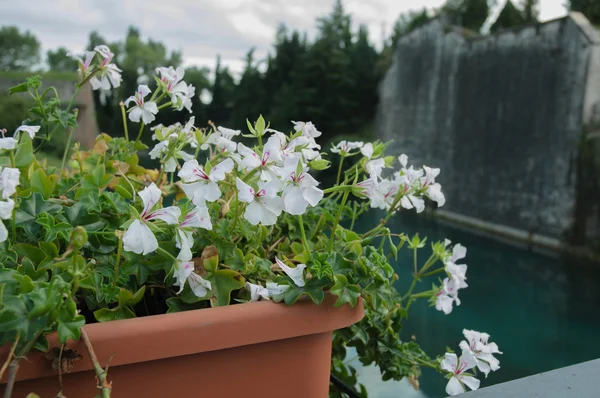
x,y
503,116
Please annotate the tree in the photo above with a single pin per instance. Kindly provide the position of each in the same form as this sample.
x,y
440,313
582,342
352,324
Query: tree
x,y
508,17
18,51
470,14
248,95
59,61
531,10
589,8
219,109
406,23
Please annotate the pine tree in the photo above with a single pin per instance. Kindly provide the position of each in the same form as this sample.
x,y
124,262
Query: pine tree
x,y
509,16
470,14
531,10
589,8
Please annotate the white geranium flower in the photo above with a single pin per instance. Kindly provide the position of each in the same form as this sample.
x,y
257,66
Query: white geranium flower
x,y
458,367
6,209
142,109
433,189
31,130
8,143
257,292
367,150
169,161
184,98
300,188
201,186
84,65
296,274
381,193
139,237
307,128
345,147
109,74
184,271
264,205
447,295
198,217
458,272
267,162
9,180
375,166
477,345
222,139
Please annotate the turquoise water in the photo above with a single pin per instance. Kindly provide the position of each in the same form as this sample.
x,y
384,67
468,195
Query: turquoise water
x,y
541,310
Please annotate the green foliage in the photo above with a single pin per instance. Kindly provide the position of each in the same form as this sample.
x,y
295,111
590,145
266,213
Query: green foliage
x,y
59,61
509,16
18,50
589,8
470,14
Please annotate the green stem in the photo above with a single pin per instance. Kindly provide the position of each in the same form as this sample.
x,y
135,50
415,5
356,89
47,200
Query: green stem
x,y
430,261
437,271
118,261
67,148
304,241
339,174
125,129
139,134
410,289
337,220
103,385
166,253
165,105
338,189
13,367
354,208
415,259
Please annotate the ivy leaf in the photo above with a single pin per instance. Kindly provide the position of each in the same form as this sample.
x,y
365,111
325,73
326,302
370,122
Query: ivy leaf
x,y
128,298
345,292
313,289
107,315
69,327
42,183
53,229
24,154
223,282
93,182
236,261
176,304
30,251
29,210
19,88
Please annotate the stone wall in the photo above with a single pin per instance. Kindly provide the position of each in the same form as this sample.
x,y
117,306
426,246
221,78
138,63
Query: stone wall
x,y
87,130
501,115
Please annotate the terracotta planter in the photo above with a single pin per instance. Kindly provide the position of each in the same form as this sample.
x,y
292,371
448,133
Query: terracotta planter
x,y
248,350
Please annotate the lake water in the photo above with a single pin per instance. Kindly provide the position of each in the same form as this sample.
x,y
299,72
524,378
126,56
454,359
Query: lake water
x,y
542,310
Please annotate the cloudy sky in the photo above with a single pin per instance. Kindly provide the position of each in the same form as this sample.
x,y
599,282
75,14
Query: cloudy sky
x,y
203,28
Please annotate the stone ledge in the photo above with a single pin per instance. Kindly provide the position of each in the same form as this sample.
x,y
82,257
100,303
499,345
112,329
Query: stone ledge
x,y
577,381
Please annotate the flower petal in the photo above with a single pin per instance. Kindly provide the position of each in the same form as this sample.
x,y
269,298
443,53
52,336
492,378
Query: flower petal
x,y
296,274
245,191
150,196
170,215
471,382
454,387
139,239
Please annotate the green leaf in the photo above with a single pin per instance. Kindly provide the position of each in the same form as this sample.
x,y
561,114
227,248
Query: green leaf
x,y
93,182
345,292
260,126
70,327
19,88
54,230
236,261
223,282
25,282
313,289
24,154
176,304
42,183
107,315
250,128
128,298
27,250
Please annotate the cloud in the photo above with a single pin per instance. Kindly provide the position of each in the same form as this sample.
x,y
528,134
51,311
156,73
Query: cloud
x,y
202,28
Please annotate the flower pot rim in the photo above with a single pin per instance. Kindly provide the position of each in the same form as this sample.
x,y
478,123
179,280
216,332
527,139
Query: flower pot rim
x,y
191,332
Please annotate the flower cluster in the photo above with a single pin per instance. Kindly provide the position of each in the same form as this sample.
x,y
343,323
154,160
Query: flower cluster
x,y
447,294
105,74
477,352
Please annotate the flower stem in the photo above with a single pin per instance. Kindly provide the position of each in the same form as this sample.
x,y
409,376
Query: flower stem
x,y
338,188
437,271
304,241
165,105
13,367
103,384
339,174
118,261
337,220
10,354
125,129
166,253
140,134
66,152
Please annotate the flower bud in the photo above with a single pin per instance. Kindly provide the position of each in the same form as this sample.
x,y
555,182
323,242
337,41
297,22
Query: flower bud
x,y
78,238
319,164
210,258
224,209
